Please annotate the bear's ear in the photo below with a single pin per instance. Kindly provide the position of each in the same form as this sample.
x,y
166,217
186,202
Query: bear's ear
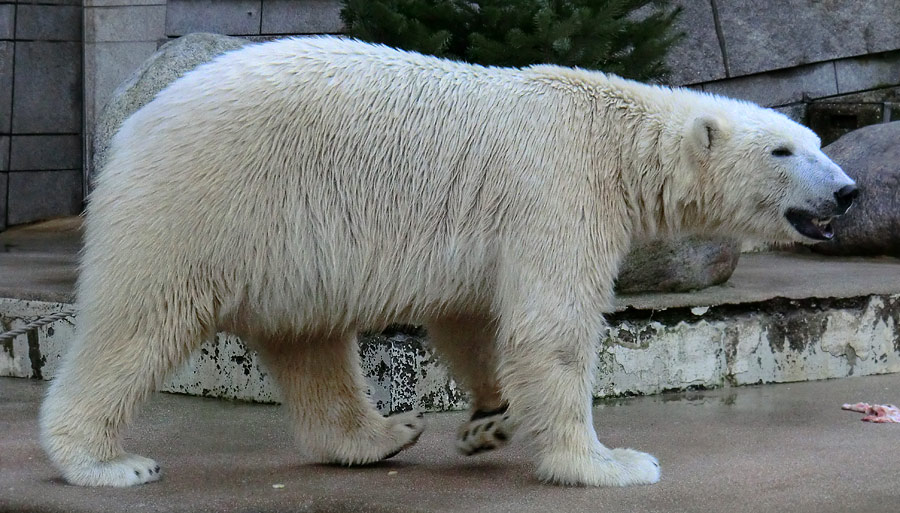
x,y
705,132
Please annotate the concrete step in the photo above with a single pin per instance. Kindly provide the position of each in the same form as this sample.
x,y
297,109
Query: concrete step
x,y
782,317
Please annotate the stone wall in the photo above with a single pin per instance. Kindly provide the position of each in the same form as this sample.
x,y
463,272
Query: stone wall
x,y
40,110
121,34
799,56
802,57
834,65
787,54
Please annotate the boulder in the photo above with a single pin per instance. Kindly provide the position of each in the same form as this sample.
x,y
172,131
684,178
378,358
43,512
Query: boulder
x,y
871,156
170,62
678,265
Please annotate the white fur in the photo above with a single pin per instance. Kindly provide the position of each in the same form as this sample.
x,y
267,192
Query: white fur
x,y
297,191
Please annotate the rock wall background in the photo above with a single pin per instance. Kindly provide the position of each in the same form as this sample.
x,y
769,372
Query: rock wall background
x,y
834,65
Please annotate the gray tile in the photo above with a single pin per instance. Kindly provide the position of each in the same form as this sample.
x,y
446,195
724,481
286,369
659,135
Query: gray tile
x,y
7,21
7,49
232,17
4,179
887,94
4,152
45,152
48,22
49,2
301,17
116,3
779,87
106,65
43,195
47,88
126,23
774,34
871,72
698,56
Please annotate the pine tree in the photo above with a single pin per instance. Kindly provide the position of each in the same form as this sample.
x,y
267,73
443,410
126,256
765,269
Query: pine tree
x,y
626,37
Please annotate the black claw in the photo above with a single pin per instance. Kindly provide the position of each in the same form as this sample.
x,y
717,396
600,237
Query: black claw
x,y
392,454
480,414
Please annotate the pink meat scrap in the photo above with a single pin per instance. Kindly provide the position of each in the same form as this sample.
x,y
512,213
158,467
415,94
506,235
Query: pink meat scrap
x,y
875,412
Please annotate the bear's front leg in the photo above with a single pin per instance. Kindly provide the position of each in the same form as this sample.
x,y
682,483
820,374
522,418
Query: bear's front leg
x,y
547,373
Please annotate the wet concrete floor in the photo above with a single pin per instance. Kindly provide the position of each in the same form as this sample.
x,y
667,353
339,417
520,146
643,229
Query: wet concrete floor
x,y
752,449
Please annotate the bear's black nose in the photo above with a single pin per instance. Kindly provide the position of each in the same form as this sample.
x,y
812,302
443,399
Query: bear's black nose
x,y
845,197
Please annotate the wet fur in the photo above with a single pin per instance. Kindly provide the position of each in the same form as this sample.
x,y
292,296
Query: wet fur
x,y
296,192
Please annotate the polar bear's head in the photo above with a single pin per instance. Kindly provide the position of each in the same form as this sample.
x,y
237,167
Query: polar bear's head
x,y
768,174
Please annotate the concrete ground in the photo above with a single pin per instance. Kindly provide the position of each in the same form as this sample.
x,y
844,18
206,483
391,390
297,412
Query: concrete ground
x,y
750,449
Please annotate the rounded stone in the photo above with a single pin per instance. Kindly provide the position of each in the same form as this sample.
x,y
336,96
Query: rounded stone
x,y
678,265
870,156
170,62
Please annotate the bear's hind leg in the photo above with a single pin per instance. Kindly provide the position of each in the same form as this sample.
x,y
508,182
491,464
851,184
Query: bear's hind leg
x,y
324,390
468,345
113,365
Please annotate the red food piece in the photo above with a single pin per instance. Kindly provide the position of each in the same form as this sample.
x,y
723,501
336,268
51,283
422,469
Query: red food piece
x,y
880,413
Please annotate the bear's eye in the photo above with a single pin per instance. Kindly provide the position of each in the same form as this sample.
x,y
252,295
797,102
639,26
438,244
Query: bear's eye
x,y
782,152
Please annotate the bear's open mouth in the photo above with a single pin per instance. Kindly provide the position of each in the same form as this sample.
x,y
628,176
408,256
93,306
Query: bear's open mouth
x,y
809,225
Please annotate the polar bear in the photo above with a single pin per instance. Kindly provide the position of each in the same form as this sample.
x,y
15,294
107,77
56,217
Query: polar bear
x,y
296,192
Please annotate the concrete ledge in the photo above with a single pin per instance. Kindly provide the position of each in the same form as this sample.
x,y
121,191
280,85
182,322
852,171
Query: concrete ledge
x,y
781,317
765,276
643,352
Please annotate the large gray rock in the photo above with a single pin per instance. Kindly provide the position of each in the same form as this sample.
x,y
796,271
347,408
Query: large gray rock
x,y
871,156
679,265
170,62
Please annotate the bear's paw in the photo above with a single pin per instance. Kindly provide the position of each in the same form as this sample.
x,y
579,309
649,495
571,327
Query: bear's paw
x,y
616,467
406,429
375,442
124,470
485,431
